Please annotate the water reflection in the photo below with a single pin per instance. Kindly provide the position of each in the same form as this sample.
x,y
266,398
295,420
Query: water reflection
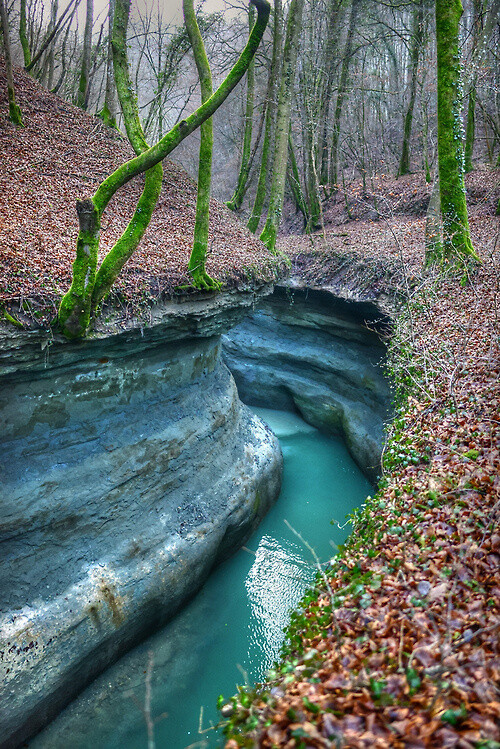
x,y
276,581
236,621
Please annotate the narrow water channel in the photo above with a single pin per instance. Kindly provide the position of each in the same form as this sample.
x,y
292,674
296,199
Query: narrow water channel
x,y
233,629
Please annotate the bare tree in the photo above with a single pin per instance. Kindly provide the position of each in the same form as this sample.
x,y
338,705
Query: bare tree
x,y
14,110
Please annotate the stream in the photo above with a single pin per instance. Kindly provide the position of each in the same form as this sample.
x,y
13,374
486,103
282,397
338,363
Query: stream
x,y
233,629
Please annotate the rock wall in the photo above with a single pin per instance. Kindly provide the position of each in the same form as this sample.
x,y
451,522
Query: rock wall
x,y
310,350
128,468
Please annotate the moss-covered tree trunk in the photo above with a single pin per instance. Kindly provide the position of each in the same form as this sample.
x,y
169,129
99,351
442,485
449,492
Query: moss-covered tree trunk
x,y
277,194
235,203
272,89
456,235
76,307
23,36
417,37
90,285
14,110
129,241
108,112
197,260
83,86
342,90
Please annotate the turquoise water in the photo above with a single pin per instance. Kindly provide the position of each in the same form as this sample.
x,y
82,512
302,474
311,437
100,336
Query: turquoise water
x,y
233,629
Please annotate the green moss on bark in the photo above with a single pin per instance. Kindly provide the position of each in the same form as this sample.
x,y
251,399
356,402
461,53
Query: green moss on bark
x,y
197,260
10,318
23,37
456,236
235,203
129,241
294,21
15,114
76,307
106,116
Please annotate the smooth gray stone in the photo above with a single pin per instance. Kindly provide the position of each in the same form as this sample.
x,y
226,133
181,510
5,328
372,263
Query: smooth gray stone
x,y
313,352
128,468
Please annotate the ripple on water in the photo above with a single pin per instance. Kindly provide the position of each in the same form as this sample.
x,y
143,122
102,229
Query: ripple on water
x,y
274,584
235,624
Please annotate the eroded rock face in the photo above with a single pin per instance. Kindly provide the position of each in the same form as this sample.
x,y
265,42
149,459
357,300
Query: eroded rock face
x,y
128,468
311,351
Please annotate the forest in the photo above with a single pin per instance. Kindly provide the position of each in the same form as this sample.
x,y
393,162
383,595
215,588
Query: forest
x,y
337,94
289,205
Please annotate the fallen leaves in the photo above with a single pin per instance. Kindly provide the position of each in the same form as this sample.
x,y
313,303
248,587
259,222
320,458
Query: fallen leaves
x,y
62,155
410,655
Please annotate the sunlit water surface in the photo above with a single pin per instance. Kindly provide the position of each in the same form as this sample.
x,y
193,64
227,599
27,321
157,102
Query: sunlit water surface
x,y
233,629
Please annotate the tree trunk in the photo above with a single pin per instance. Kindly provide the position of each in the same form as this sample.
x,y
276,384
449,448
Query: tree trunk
x,y
108,112
129,241
471,108
197,260
270,232
46,74
433,226
294,182
83,87
76,306
312,185
416,45
14,110
456,236
272,88
241,184
342,90
326,95
23,37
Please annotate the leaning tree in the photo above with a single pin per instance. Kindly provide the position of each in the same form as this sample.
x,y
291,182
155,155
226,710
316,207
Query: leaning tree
x,y
90,284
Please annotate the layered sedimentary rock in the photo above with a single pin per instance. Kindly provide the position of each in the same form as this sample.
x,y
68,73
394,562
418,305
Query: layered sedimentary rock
x,y
312,351
128,468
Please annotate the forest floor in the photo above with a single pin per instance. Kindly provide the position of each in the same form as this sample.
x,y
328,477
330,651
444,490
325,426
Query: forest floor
x,y
399,643
61,155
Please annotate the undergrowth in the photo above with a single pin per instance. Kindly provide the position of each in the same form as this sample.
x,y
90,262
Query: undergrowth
x,y
430,482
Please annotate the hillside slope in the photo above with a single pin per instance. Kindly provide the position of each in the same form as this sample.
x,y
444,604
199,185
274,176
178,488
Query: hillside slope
x,y
60,156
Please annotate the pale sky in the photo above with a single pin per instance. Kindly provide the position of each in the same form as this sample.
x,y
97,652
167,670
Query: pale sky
x,y
172,9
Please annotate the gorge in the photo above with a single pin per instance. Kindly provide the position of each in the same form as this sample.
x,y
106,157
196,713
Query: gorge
x,y
130,467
